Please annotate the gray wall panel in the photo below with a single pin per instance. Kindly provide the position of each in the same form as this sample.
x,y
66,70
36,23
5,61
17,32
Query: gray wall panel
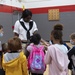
x,y
44,25
6,21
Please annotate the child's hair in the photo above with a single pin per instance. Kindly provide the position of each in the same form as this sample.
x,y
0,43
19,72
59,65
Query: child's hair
x,y
14,44
57,34
58,27
5,47
35,38
72,36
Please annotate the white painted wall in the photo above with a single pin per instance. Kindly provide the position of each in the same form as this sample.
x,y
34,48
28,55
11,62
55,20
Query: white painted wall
x,y
37,3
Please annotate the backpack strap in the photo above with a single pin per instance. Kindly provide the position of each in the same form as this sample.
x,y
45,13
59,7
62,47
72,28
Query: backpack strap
x,y
36,48
28,31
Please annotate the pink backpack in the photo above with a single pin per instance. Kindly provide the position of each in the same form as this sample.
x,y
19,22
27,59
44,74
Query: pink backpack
x,y
36,60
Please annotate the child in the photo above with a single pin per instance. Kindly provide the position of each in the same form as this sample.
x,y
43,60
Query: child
x,y
5,48
1,35
14,62
34,48
71,54
56,56
59,27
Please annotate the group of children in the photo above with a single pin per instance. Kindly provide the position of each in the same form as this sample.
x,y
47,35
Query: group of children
x,y
14,62
59,56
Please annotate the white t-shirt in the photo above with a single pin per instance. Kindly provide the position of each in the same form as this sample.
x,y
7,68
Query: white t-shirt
x,y
21,31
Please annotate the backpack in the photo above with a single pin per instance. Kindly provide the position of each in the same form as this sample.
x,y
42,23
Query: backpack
x,y
30,27
36,60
